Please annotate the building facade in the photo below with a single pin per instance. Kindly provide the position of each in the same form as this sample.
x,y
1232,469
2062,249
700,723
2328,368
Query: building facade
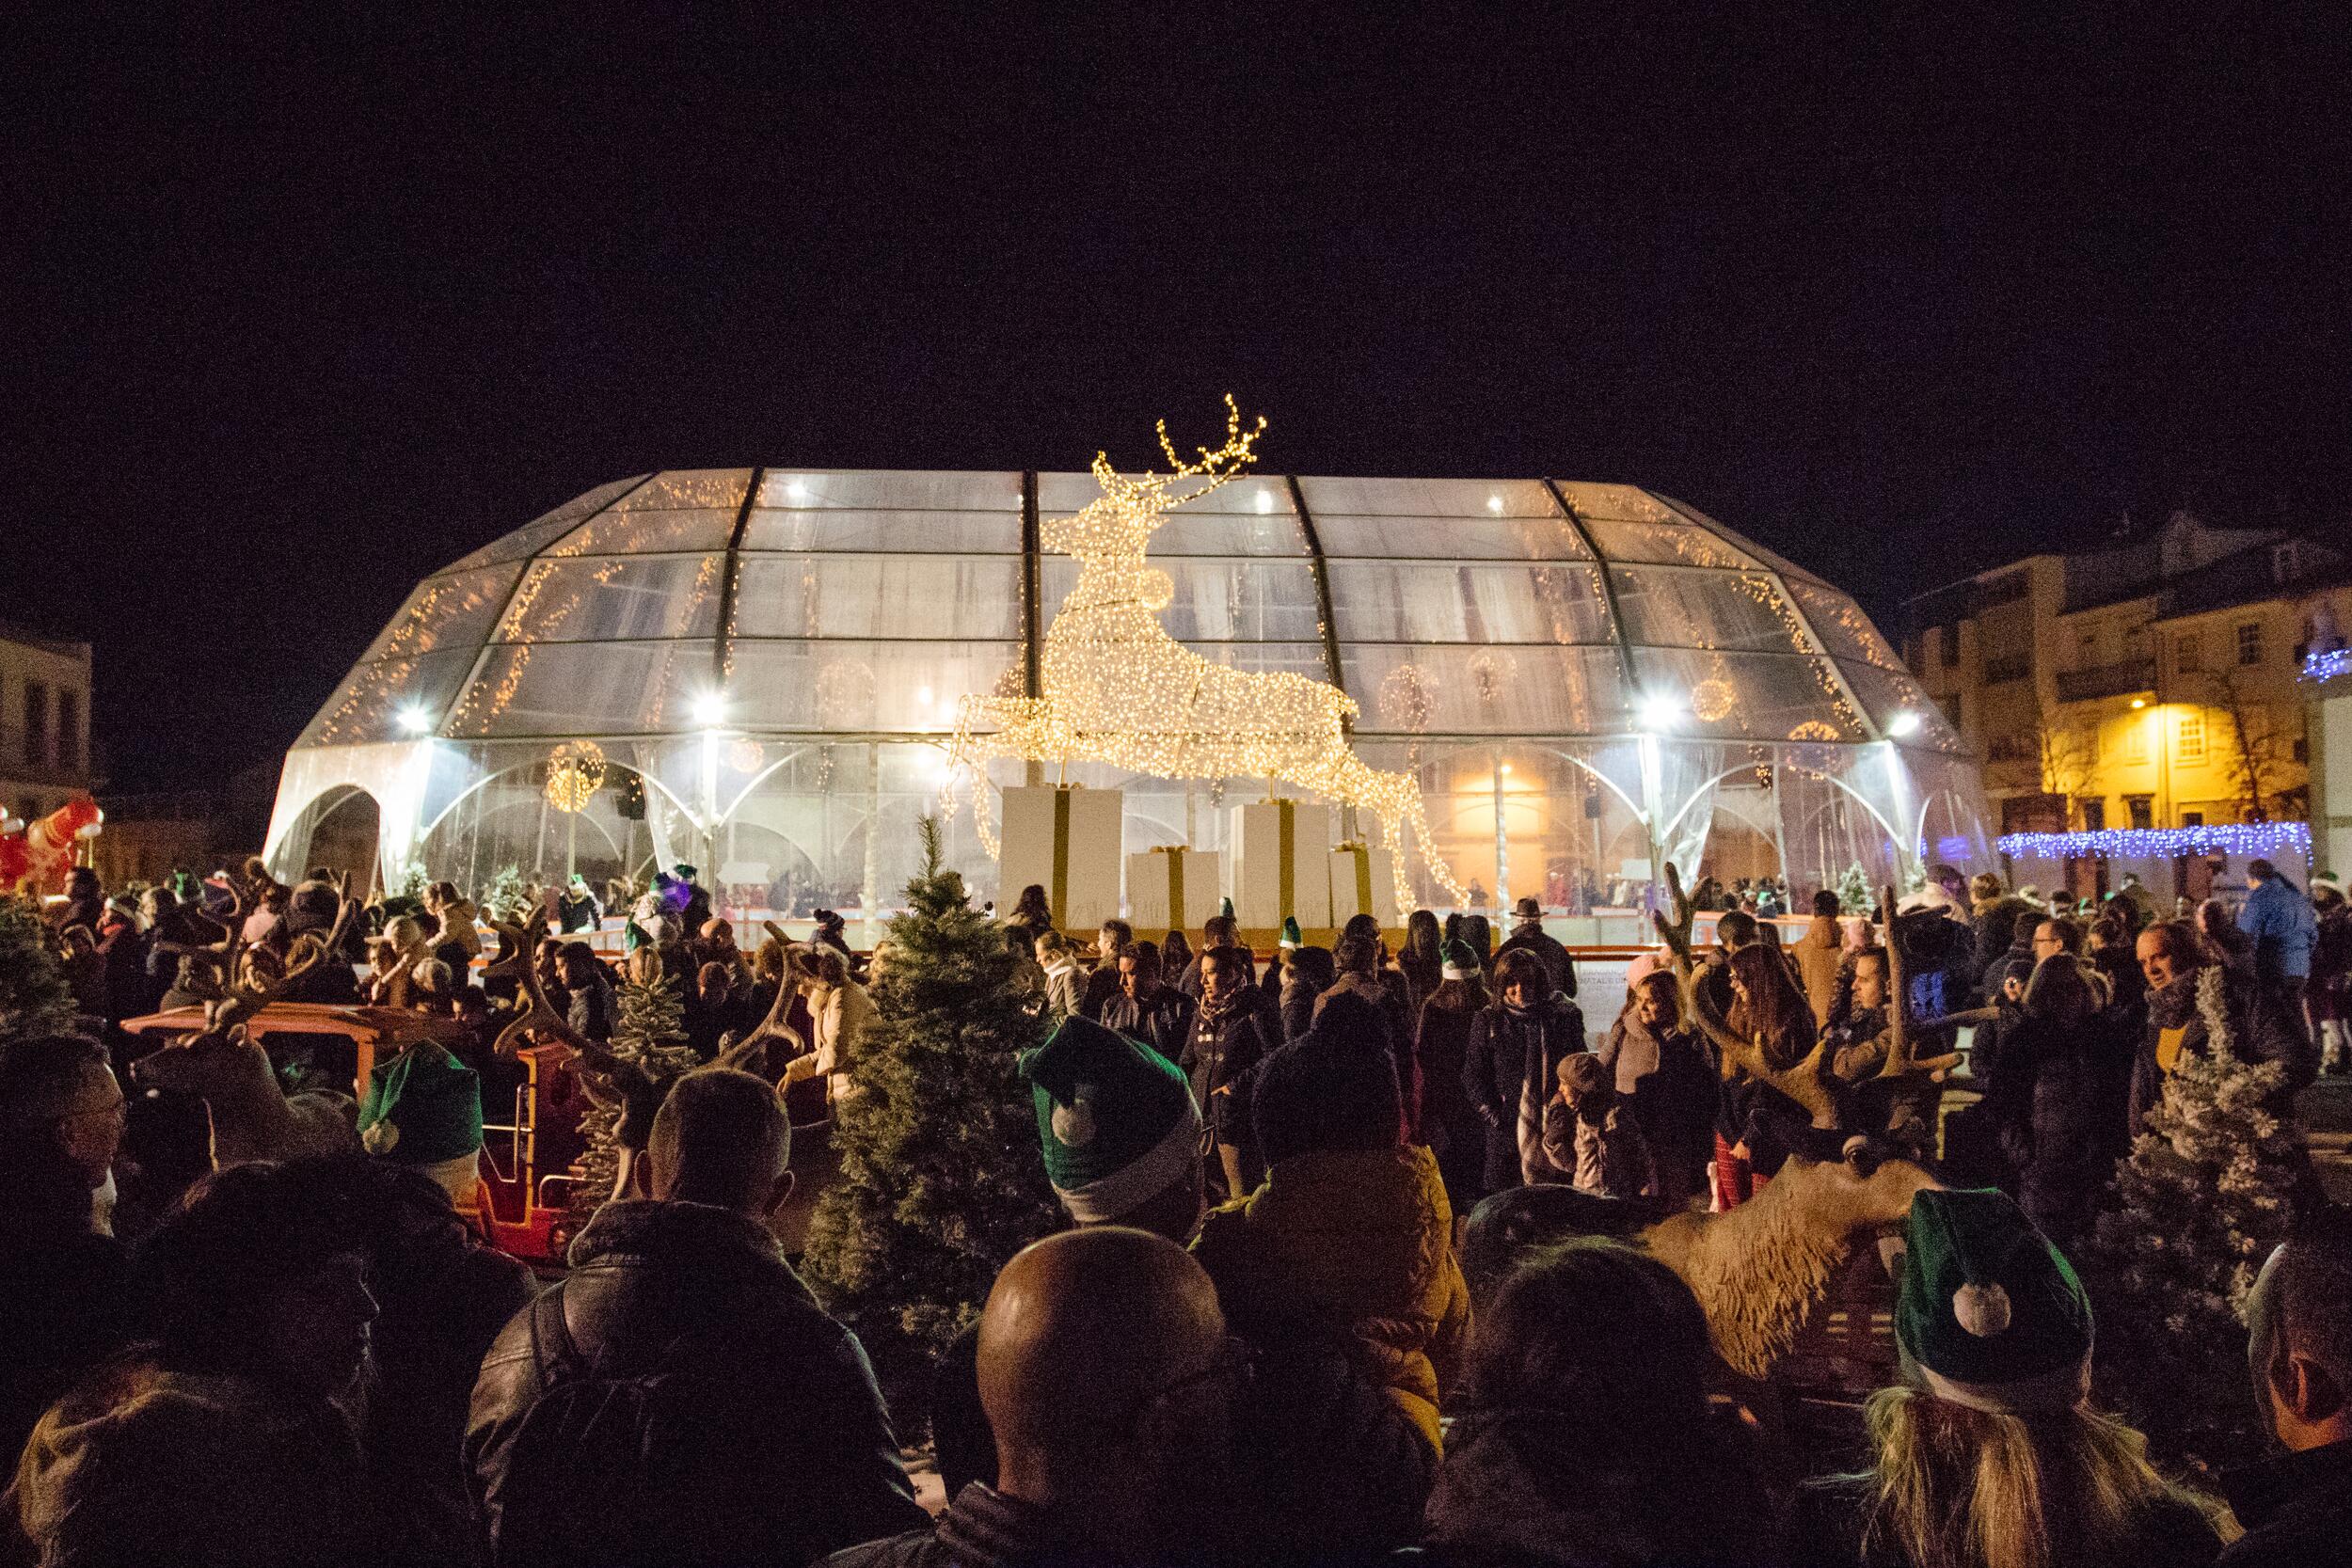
x,y
2149,683
45,722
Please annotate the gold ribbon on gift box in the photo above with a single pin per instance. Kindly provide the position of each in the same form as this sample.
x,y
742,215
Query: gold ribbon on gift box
x,y
1060,890
1175,853
1286,873
1363,874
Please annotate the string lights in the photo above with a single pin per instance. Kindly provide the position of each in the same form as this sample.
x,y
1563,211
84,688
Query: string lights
x,y
2325,664
1119,689
2242,839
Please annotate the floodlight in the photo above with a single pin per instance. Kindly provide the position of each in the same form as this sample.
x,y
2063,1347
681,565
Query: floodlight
x,y
414,719
1904,723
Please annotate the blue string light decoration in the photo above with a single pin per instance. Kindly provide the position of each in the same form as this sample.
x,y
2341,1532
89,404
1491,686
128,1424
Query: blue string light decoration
x,y
2241,839
2325,664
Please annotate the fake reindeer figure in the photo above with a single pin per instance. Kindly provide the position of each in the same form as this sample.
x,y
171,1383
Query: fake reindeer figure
x,y
1758,1269
252,1118
1116,687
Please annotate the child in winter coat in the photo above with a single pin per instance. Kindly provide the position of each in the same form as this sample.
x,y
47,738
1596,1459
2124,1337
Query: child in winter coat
x,y
1349,1237
1591,1136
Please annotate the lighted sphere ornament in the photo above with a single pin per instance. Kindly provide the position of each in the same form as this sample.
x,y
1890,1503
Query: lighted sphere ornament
x,y
575,773
746,755
1711,701
1814,752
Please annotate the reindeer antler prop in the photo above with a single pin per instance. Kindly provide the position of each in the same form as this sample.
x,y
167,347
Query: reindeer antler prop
x,y
753,1047
242,988
1804,1083
540,1016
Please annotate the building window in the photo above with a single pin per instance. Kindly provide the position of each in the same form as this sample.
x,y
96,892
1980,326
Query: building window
x,y
2094,816
2142,808
2192,742
35,725
2192,819
2008,667
2136,738
1948,644
2249,642
70,731
2188,653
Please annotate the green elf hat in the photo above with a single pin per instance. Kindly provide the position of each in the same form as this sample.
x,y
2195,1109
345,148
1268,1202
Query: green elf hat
x,y
1290,936
1988,1315
1459,961
424,1107
1225,908
1116,1119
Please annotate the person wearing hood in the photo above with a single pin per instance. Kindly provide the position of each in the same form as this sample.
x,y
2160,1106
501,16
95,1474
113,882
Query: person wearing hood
x,y
225,1439
1349,1236
1820,952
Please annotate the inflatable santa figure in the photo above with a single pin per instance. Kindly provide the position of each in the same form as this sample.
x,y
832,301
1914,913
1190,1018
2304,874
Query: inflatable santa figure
x,y
37,859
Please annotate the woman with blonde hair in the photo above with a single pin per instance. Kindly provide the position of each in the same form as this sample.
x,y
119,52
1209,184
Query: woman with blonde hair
x,y
392,960
1989,1454
838,1010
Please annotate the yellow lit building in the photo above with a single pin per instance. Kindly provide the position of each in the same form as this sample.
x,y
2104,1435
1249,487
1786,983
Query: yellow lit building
x,y
2149,683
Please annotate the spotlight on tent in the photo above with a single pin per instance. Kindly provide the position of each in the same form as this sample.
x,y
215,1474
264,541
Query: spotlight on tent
x,y
415,720
1903,724
1659,710
711,707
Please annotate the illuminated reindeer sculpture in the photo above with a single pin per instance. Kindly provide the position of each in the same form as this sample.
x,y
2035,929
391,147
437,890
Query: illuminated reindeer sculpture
x,y
1117,688
252,1117
1758,1270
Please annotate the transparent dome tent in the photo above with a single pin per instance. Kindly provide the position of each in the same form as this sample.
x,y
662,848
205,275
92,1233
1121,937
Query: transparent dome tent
x,y
1586,680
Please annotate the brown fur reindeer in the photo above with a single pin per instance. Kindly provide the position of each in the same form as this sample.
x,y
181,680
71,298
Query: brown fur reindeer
x,y
1758,1270
252,1118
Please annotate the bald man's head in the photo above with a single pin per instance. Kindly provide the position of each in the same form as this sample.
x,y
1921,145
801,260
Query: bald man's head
x,y
1100,1349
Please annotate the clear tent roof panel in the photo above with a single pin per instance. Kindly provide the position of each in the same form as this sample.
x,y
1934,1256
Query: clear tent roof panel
x,y
865,600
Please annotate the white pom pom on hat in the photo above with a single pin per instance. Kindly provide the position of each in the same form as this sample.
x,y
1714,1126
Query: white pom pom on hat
x,y
1981,1309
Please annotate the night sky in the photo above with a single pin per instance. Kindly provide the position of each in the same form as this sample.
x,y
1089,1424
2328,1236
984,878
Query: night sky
x,y
298,317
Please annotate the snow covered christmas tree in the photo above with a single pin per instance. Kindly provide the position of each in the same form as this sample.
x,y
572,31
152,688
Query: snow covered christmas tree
x,y
941,1179
2205,1194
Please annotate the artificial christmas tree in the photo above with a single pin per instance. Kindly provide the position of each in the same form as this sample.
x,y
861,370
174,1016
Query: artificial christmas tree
x,y
34,996
2205,1194
941,1179
1854,894
647,1052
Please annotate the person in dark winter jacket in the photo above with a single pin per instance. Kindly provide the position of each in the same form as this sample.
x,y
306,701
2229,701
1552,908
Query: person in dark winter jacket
x,y
1512,1062
1583,1434
1591,1140
1664,1069
65,1295
682,1377
1382,992
443,1295
224,1438
2171,957
1421,959
1455,1131
591,1008
1306,973
1995,914
2044,1092
1115,938
2298,1507
1528,932
1108,1380
1145,1009
1226,1042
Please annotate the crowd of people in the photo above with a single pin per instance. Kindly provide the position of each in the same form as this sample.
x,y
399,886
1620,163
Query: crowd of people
x,y
1255,1341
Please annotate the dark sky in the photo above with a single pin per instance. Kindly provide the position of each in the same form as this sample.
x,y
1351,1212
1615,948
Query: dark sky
x,y
299,316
